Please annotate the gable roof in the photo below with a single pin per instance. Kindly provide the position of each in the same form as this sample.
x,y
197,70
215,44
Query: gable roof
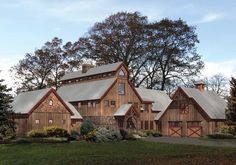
x,y
76,113
93,90
209,101
123,110
92,71
159,98
26,102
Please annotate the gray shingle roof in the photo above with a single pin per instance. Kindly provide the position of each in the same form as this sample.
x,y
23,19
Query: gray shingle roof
x,y
209,101
160,98
123,110
75,112
92,71
25,101
92,90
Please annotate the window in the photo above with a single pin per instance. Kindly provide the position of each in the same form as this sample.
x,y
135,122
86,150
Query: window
x,y
121,89
121,73
89,104
106,103
151,124
141,124
50,102
50,121
146,107
113,103
37,121
146,125
94,104
194,123
63,121
175,123
79,104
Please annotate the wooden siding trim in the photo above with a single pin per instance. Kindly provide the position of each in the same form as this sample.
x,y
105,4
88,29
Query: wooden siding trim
x,y
45,96
106,92
132,87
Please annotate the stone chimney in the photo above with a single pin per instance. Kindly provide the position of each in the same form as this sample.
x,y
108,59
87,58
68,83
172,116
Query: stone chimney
x,y
200,85
86,67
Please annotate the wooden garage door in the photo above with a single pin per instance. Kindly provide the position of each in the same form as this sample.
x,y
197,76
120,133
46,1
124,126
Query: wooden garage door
x,y
175,128
194,131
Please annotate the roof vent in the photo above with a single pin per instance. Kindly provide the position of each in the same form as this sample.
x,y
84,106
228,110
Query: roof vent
x,y
200,85
86,67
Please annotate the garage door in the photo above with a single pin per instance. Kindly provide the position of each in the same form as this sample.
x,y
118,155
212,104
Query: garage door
x,y
194,131
175,128
175,131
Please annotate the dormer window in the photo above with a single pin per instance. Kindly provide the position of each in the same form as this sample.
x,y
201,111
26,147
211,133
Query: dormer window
x,y
50,102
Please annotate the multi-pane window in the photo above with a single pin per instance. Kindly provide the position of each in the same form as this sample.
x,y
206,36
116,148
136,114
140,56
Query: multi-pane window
x,y
79,104
175,123
194,123
146,107
37,121
121,88
50,121
94,104
113,103
89,104
141,124
63,121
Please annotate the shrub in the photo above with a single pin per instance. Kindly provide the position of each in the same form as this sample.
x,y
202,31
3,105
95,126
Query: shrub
x,y
34,133
74,135
103,134
227,129
56,131
156,134
124,134
86,127
131,136
221,136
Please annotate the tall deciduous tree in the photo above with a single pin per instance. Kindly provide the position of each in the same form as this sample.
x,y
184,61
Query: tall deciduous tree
x,y
173,49
46,66
217,83
120,37
231,104
7,125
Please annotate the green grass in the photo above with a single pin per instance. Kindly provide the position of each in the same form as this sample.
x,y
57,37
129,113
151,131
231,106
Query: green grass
x,y
126,152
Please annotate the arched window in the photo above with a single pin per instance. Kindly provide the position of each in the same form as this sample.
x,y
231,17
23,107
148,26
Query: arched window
x,y
50,102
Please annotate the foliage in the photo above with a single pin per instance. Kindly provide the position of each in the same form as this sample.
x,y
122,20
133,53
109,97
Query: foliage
x,y
56,131
35,133
7,125
227,129
221,136
154,133
86,127
123,133
103,134
231,104
156,53
217,83
45,66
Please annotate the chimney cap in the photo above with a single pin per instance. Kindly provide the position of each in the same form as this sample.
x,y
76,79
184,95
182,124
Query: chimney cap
x,y
200,83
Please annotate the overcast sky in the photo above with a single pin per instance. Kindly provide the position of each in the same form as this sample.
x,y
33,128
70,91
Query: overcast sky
x,y
26,25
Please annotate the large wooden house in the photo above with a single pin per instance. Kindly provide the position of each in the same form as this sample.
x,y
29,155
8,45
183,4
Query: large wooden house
x,y
106,96
193,112
37,109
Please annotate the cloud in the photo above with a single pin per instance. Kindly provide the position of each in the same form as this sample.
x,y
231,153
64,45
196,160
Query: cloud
x,y
227,68
211,17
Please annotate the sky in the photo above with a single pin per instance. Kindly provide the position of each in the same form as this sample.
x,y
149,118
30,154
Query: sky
x,y
26,25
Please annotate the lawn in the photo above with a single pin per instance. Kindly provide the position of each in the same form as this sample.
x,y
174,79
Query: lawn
x,y
126,152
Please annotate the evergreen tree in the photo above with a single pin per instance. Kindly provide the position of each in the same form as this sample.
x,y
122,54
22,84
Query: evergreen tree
x,y
7,125
231,107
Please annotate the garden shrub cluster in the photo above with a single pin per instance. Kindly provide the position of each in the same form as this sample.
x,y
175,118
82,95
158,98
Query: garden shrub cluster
x,y
51,131
103,134
221,136
227,129
86,127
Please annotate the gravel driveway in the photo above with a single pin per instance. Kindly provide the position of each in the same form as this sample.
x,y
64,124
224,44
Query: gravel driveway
x,y
194,141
